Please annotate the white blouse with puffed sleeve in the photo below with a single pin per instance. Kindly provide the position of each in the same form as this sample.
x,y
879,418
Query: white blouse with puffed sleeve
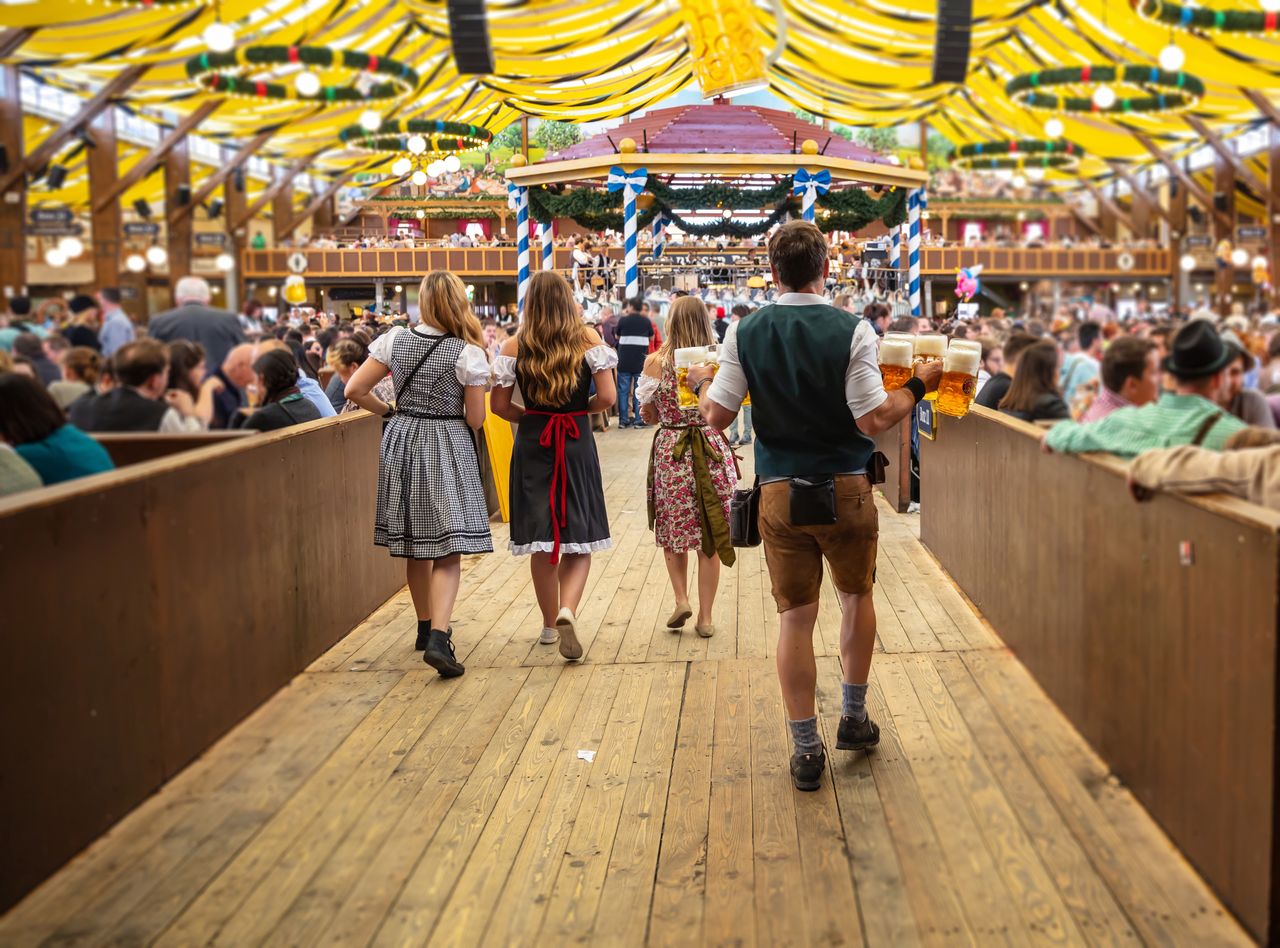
x,y
472,367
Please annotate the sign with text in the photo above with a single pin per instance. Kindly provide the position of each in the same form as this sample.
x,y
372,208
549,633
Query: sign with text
x,y
69,229
1251,233
141,229
210,239
1198,240
926,420
51,215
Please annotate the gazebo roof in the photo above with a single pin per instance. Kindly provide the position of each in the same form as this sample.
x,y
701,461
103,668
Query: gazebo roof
x,y
719,128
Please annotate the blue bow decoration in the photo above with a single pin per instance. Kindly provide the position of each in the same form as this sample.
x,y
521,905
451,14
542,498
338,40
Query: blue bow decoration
x,y
819,181
633,181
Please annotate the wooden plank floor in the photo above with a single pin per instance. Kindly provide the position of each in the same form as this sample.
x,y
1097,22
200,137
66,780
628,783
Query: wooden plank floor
x,y
372,803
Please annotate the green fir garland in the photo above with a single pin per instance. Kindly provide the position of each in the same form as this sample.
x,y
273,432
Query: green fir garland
x,y
1202,18
393,136
1167,91
1025,153
222,72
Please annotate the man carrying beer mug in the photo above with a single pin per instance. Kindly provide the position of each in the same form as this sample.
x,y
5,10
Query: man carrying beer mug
x,y
818,400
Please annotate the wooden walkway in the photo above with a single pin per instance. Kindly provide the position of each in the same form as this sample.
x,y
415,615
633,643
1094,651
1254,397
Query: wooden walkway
x,y
642,796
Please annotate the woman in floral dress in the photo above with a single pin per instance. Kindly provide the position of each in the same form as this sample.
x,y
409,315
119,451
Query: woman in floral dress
x,y
692,472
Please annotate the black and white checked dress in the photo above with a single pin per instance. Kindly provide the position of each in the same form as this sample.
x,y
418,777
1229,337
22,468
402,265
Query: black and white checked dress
x,y
430,498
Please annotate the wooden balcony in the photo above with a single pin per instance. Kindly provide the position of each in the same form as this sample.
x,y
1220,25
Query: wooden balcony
x,y
1083,263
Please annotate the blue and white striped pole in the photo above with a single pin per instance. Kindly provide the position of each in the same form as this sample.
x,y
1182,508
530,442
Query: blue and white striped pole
x,y
660,222
521,195
809,185
548,249
895,248
630,183
916,203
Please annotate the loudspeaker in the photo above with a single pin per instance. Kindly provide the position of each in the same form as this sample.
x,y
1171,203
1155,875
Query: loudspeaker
x,y
951,40
237,180
1220,201
143,207
184,195
215,208
57,175
4,159
1196,215
469,35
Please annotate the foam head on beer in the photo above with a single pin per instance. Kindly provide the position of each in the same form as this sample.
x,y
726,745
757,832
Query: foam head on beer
x,y
896,356
929,346
959,382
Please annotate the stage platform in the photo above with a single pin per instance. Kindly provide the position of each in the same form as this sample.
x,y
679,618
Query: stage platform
x,y
641,797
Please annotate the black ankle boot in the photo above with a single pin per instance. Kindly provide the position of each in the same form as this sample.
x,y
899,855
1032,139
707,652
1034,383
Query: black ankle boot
x,y
439,655
424,635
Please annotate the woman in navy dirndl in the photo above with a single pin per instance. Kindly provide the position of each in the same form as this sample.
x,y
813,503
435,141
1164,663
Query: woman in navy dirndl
x,y
431,505
558,515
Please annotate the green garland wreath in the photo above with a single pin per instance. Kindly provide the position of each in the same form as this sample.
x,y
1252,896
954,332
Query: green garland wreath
x,y
1024,153
1198,18
223,73
1177,90
393,136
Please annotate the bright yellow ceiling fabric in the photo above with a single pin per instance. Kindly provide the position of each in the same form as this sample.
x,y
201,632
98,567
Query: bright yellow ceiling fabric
x,y
860,63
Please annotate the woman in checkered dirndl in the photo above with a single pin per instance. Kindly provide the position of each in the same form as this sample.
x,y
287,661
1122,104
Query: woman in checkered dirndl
x,y
431,505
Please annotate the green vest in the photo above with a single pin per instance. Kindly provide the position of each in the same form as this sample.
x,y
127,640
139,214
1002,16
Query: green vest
x,y
795,359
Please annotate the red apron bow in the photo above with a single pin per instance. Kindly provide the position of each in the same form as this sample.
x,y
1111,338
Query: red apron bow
x,y
560,425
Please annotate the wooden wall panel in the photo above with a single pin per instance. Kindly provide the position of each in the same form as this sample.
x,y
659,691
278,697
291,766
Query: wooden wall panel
x,y
149,610
896,445
1167,667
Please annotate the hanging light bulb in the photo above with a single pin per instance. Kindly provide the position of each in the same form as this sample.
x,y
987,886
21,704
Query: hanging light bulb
x,y
370,120
157,256
1053,128
135,263
1259,262
1187,263
225,262
1019,182
1104,97
402,166
452,163
219,37
1240,257
435,169
417,144
307,83
1271,6
72,247
1035,174
420,214
55,257
1172,57
399,288
419,177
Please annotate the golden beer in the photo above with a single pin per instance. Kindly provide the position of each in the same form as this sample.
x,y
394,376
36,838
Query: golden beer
x,y
959,382
929,347
896,359
687,359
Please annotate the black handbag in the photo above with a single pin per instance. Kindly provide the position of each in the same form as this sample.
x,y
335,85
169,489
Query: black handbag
x,y
744,516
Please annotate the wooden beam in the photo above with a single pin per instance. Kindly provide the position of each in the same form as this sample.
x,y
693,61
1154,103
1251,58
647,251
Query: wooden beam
x,y
1179,281
1263,105
1227,154
107,222
234,201
48,148
281,215
11,40
1224,182
1139,190
13,212
1114,209
224,171
177,177
148,162
1084,219
1202,197
269,195
318,201
378,192
1273,205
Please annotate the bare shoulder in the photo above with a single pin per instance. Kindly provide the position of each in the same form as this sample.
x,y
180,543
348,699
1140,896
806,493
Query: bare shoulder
x,y
592,337
653,365
510,347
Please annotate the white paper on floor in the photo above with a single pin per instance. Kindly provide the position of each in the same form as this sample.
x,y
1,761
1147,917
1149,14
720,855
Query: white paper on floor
x,y
588,756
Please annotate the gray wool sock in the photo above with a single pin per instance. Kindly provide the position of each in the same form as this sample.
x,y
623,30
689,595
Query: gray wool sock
x,y
804,735
854,699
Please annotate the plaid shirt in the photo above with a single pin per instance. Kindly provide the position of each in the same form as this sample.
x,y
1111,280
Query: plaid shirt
x,y
1103,404
1127,432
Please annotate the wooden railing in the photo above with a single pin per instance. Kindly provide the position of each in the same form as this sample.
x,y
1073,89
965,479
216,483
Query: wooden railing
x,y
406,264
134,447
149,609
1152,626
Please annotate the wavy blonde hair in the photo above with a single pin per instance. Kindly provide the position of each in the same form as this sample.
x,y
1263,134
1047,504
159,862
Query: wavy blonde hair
x,y
442,302
552,339
688,326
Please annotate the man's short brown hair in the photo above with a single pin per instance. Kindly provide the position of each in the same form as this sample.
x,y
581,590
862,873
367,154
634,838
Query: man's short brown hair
x,y
136,362
1125,358
797,252
1016,344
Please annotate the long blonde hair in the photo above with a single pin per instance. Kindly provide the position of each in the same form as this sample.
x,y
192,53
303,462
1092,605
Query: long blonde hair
x,y
442,302
552,339
688,325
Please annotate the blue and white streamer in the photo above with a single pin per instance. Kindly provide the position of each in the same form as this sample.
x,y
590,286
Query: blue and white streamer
x,y
518,196
895,248
548,248
630,183
660,222
810,185
916,203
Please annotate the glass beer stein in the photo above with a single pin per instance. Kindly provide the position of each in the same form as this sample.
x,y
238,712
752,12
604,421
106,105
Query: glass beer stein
x,y
929,347
959,382
897,352
685,360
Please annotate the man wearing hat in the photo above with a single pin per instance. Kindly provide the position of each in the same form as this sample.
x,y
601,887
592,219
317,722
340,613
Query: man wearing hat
x,y
1198,361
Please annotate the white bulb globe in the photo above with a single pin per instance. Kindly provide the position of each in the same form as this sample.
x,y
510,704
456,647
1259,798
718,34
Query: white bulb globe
x,y
55,257
72,247
225,262
1240,257
1019,182
307,83
399,288
1104,97
157,256
370,120
1259,262
402,166
1035,174
1271,6
1053,128
452,163
1172,57
419,178
417,144
420,213
219,37
1187,262
135,263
